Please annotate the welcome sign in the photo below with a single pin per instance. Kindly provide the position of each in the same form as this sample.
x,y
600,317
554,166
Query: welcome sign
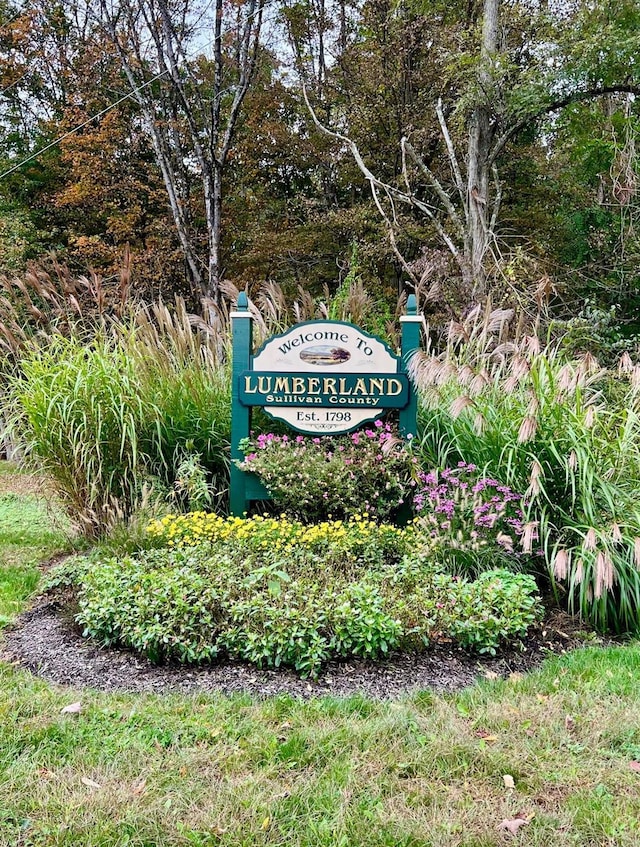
x,y
319,377
325,377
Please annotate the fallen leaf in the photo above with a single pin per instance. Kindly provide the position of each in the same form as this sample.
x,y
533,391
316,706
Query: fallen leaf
x,y
515,677
569,723
265,823
90,783
512,825
139,786
486,736
635,766
490,675
508,781
72,709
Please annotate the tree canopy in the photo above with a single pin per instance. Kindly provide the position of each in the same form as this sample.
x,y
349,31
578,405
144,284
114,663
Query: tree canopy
x,y
474,149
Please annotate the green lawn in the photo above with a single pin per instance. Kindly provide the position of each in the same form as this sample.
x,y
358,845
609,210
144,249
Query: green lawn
x,y
30,533
213,770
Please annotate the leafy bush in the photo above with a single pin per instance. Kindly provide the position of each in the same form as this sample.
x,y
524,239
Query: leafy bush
x,y
272,606
498,605
162,605
470,523
567,434
314,478
361,625
596,330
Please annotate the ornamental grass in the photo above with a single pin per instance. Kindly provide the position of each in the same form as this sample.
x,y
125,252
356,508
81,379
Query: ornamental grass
x,y
567,435
107,418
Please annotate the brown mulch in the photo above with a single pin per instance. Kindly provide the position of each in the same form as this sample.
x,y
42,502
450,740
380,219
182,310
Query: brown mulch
x,y
46,642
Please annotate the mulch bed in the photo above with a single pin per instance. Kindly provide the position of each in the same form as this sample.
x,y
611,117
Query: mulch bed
x,y
46,642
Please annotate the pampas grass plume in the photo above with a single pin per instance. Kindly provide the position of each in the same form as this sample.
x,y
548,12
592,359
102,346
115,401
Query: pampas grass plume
x,y
528,535
527,429
459,405
561,562
590,540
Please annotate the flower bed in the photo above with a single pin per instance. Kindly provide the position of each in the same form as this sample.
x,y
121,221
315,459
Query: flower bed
x,y
370,470
276,592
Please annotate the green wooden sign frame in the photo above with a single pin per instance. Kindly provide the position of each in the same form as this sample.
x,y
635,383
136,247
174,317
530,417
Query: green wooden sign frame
x,y
247,391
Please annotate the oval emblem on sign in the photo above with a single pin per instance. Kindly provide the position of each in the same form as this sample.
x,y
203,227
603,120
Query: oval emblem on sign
x,y
324,354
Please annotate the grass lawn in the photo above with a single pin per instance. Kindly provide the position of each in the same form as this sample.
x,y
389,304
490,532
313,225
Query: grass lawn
x,y
214,770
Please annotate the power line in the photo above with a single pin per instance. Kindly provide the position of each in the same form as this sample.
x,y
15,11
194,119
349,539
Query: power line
x,y
99,114
102,112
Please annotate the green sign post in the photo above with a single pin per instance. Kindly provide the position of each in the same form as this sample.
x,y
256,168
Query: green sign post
x,y
319,377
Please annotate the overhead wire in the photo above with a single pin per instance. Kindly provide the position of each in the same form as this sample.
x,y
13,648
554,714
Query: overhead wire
x,y
99,114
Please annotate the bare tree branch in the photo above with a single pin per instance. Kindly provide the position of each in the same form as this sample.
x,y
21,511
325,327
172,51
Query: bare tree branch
x,y
453,159
435,183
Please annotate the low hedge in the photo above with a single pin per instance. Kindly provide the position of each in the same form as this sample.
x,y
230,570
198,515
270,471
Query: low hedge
x,y
273,604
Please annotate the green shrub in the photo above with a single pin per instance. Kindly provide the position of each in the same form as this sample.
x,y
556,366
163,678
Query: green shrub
x,y
160,603
497,606
360,624
313,479
192,603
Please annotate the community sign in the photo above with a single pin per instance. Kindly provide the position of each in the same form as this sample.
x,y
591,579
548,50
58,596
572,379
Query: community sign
x,y
325,377
319,377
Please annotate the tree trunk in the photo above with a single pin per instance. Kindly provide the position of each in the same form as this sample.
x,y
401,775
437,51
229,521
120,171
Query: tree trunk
x,y
481,136
188,123
215,232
